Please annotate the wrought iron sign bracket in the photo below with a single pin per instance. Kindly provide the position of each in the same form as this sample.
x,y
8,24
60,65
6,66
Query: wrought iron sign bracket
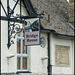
x,y
13,28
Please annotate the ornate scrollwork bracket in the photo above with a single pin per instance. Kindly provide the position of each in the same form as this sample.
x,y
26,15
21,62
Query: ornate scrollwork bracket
x,y
14,30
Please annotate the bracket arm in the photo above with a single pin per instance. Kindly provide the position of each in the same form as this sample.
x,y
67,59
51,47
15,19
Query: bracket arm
x,y
3,8
14,7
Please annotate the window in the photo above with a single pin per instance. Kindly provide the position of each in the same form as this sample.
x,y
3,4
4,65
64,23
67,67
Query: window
x,y
22,54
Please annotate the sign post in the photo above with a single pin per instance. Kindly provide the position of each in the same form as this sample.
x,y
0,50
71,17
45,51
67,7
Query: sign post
x,y
32,32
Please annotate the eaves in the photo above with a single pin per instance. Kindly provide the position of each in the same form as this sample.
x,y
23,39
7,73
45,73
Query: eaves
x,y
57,34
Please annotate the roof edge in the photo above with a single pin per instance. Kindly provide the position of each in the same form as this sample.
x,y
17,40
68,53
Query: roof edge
x,y
57,34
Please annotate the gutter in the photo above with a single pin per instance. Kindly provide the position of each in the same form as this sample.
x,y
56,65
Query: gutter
x,y
64,35
57,34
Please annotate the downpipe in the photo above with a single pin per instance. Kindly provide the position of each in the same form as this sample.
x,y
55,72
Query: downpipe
x,y
49,66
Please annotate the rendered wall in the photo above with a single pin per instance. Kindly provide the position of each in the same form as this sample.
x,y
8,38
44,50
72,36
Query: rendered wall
x,y
62,42
12,67
39,66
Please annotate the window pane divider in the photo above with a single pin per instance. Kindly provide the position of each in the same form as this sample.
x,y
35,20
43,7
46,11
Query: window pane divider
x,y
21,55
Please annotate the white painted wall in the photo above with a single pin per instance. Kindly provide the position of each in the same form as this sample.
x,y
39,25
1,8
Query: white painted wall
x,y
12,67
36,52
39,66
65,42
73,57
5,52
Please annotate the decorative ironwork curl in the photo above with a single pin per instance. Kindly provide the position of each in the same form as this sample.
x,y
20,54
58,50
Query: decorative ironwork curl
x,y
14,30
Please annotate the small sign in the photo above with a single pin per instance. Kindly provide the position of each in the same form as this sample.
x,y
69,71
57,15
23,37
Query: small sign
x,y
32,32
32,38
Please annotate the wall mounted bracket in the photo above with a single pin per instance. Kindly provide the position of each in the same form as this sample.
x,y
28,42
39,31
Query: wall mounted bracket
x,y
14,28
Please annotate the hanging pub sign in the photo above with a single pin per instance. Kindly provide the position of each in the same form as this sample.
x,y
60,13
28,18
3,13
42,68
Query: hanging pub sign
x,y
32,32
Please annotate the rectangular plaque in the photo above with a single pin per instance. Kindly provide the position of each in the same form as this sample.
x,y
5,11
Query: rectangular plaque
x,y
32,38
62,56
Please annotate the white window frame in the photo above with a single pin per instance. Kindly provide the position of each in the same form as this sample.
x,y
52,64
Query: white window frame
x,y
23,55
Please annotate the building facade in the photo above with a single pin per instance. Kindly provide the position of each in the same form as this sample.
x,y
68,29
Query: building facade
x,y
54,55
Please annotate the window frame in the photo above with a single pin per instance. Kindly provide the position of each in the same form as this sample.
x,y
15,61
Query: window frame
x,y
21,55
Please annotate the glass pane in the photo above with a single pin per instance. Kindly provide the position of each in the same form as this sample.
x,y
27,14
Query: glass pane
x,y
24,48
18,62
24,66
18,46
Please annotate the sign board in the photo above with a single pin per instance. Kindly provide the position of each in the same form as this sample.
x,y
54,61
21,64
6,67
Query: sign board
x,y
32,32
